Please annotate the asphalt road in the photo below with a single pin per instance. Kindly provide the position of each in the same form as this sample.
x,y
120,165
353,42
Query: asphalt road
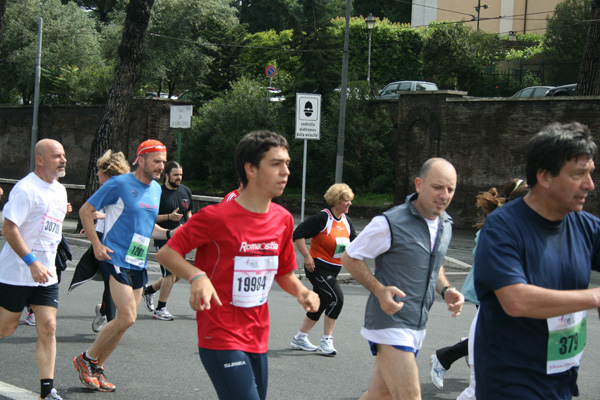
x,y
159,359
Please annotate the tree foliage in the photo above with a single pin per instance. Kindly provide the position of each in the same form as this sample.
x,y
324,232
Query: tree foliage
x,y
69,37
395,50
395,11
320,55
269,48
565,40
368,150
453,55
226,36
567,30
175,50
208,148
127,72
2,14
102,9
266,15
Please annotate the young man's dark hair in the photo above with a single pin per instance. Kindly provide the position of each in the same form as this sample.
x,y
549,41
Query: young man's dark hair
x,y
252,148
556,144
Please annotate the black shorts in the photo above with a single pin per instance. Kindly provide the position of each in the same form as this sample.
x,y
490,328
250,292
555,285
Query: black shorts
x,y
130,277
165,272
235,374
15,298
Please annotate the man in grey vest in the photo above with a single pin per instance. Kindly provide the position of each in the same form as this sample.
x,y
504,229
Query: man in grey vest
x,y
409,243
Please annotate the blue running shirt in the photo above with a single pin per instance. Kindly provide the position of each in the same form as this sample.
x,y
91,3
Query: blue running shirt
x,y
130,216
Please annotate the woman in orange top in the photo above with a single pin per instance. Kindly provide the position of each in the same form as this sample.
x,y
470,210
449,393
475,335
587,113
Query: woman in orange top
x,y
330,232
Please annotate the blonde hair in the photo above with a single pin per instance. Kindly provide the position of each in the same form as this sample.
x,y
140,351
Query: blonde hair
x,y
113,164
337,193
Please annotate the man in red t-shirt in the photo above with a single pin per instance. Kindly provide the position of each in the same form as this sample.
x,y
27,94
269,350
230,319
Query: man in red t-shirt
x,y
243,245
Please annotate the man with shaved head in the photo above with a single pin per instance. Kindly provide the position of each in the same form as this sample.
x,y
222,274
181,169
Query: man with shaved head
x,y
33,218
409,243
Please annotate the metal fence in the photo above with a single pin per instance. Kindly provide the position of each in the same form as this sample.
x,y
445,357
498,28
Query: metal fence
x,y
506,82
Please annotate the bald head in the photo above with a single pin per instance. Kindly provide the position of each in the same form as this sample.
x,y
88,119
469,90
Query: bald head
x,y
44,145
426,167
435,186
50,160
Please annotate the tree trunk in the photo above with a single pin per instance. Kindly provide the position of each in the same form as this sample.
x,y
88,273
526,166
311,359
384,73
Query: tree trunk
x,y
127,73
588,82
2,14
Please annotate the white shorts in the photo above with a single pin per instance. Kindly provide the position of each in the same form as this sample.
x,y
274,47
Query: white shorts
x,y
404,338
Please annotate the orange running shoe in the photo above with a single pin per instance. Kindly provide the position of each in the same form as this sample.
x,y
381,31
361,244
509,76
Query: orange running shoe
x,y
105,386
86,372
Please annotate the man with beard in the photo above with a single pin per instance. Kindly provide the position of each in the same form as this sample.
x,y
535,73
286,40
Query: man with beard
x,y
33,219
175,209
131,201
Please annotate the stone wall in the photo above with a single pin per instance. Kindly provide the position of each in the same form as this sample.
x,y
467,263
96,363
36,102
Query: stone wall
x,y
75,126
485,138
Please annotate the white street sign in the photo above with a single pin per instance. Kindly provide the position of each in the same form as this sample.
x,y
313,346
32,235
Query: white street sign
x,y
181,117
308,116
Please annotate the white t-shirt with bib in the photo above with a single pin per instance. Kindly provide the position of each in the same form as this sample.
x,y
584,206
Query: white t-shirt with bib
x,y
38,208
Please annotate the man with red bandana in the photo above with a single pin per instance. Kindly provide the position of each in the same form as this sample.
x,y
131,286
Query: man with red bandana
x,y
131,202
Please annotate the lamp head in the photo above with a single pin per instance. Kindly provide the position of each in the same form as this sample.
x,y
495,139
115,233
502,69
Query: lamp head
x,y
370,21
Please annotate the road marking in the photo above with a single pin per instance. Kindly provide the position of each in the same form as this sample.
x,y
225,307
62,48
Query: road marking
x,y
457,263
16,393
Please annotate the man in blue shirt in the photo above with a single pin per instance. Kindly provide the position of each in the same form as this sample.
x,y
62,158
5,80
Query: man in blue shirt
x,y
131,202
534,260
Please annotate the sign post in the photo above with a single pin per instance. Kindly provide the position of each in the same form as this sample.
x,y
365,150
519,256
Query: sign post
x,y
181,117
271,71
308,127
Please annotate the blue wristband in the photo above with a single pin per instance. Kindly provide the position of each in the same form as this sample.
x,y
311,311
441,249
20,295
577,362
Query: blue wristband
x,y
29,258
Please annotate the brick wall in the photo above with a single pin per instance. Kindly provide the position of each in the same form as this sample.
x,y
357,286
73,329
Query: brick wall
x,y
485,139
75,126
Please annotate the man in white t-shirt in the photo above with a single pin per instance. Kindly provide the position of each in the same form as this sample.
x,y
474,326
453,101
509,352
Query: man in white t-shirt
x,y
33,219
409,243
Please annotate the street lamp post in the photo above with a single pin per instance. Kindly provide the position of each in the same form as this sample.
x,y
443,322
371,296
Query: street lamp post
x,y
370,25
478,9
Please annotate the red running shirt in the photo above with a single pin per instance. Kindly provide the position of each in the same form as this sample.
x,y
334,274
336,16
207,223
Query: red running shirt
x,y
228,238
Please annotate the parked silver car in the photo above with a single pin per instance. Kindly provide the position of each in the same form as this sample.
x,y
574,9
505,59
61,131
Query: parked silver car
x,y
564,90
533,91
391,90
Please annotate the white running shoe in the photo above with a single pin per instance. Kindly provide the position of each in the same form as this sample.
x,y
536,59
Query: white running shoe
x,y
30,319
326,347
149,301
53,395
438,372
99,320
302,344
163,315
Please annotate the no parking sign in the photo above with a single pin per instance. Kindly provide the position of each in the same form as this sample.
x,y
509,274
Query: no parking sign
x,y
271,71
